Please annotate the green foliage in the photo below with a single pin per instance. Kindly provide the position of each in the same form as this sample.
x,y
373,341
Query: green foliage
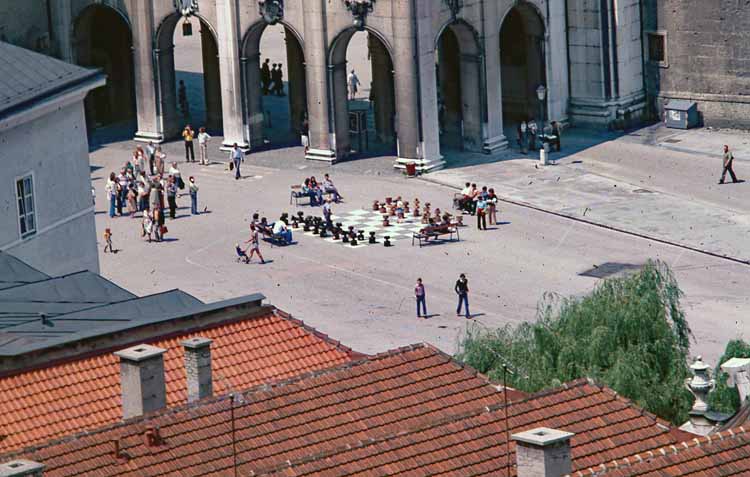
x,y
723,398
630,333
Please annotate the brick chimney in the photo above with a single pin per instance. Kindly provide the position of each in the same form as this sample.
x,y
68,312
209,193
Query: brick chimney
x,y
198,368
21,468
543,452
142,380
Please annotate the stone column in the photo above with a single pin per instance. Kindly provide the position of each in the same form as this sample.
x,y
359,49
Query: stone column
x,y
341,109
316,50
494,136
229,70
471,102
170,121
62,27
408,120
253,100
142,18
557,64
382,85
211,80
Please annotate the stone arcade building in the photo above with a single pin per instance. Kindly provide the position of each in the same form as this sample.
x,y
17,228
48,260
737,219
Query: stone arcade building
x,y
446,73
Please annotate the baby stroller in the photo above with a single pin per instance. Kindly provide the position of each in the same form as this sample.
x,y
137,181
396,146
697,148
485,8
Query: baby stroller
x,y
241,254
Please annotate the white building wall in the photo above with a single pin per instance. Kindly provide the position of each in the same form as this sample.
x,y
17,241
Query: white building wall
x,y
54,149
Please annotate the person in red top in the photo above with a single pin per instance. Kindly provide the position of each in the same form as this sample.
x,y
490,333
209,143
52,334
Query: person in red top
x,y
421,298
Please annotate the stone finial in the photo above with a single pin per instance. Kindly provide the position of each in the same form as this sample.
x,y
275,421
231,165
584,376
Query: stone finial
x,y
700,385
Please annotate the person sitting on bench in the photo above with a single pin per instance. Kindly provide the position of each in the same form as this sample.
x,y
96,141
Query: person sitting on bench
x,y
329,188
280,229
313,192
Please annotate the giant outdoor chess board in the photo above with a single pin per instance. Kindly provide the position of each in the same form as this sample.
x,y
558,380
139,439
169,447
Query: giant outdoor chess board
x,y
371,221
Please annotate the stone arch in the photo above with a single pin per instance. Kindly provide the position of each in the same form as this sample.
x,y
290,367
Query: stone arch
x,y
383,90
102,38
523,66
253,107
459,73
171,120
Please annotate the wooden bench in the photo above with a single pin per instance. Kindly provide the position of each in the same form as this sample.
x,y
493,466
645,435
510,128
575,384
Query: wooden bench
x,y
435,233
296,194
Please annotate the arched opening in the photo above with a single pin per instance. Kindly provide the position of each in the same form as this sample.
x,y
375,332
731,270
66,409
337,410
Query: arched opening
x,y
275,111
364,117
523,66
458,66
188,75
103,40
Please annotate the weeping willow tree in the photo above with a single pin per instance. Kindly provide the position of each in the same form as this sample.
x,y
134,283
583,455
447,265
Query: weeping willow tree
x,y
630,333
723,398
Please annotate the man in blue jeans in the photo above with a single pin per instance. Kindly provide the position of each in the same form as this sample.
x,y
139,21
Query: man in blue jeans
x,y
237,157
462,290
421,298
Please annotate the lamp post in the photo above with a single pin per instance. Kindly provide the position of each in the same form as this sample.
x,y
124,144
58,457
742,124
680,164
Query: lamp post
x,y
541,93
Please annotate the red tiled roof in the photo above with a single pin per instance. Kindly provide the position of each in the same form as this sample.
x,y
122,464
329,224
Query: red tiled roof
x,y
725,453
412,411
82,394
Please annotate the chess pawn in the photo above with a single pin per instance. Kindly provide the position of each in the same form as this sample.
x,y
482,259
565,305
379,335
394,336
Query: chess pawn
x,y
301,216
460,220
416,211
392,210
372,239
345,238
375,206
388,200
383,209
387,241
295,223
336,233
306,226
323,233
386,222
426,218
406,207
353,242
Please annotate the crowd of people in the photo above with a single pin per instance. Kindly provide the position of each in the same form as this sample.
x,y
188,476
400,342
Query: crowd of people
x,y
532,137
272,78
144,187
480,202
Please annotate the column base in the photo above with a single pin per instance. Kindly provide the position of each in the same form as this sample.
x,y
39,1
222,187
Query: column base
x,y
228,146
144,136
323,155
495,144
606,113
423,165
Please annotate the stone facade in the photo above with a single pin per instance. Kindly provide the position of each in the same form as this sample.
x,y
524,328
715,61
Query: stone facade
x,y
706,57
449,73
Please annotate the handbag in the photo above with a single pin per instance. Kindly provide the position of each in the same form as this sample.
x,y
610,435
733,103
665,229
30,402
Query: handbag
x,y
163,229
181,183
231,165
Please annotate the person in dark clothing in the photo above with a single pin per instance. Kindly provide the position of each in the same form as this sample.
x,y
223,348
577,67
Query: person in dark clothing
x,y
265,76
462,290
278,81
728,161
419,293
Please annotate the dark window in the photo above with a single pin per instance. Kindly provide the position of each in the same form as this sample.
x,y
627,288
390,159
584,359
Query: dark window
x,y
26,211
657,48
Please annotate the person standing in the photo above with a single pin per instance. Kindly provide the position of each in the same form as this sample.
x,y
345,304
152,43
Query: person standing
x,y
111,191
353,82
421,299
306,135
492,207
193,189
172,197
237,157
265,76
728,162
159,158
328,214
278,81
254,244
481,212
203,139
151,151
462,290
188,134
108,241
523,137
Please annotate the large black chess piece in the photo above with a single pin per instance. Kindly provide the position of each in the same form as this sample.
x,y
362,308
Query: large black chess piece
x,y
387,241
361,235
372,239
345,238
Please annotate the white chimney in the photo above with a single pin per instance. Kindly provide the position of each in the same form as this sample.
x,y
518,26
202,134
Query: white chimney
x,y
198,368
21,468
543,452
142,380
738,370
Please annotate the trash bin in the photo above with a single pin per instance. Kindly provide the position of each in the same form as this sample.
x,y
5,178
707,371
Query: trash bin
x,y
681,114
411,169
543,156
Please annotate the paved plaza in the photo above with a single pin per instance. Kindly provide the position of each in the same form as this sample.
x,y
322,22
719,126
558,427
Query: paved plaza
x,y
364,296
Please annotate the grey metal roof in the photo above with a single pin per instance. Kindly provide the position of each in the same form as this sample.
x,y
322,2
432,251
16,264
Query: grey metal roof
x,y
679,104
14,272
27,76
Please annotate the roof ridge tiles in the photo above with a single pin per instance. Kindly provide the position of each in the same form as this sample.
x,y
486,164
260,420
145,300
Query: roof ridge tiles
x,y
729,434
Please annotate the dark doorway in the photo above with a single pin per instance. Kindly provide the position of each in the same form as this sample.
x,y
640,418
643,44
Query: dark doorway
x,y
522,62
188,58
274,114
103,40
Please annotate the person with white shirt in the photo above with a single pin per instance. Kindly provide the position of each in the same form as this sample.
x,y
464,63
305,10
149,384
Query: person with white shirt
x,y
237,157
203,139
353,82
280,229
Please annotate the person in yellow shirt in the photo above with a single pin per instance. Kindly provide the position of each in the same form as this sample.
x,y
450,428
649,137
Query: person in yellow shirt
x,y
188,134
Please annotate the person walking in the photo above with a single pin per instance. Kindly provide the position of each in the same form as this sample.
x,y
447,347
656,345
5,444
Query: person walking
x,y
203,139
254,244
462,290
237,157
172,197
419,294
728,162
353,82
265,76
193,189
188,134
108,241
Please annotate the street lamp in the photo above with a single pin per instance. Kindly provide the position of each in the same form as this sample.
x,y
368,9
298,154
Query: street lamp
x,y
541,93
